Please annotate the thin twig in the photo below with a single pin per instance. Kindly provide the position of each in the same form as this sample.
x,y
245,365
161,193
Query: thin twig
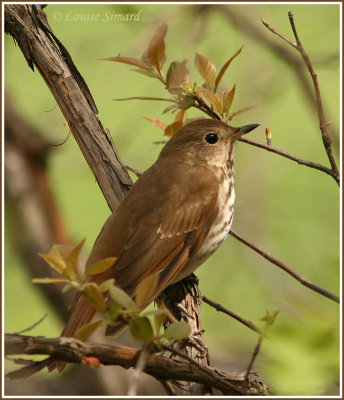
x,y
219,307
32,326
287,269
273,30
134,170
254,356
282,153
323,124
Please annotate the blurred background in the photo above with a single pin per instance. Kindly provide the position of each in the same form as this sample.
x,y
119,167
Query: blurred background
x,y
289,210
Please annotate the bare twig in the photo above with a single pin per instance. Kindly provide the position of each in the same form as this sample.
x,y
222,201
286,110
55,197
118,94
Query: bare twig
x,y
254,356
219,307
323,124
32,326
287,269
134,170
283,153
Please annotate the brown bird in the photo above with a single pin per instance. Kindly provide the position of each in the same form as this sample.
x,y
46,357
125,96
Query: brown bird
x,y
174,217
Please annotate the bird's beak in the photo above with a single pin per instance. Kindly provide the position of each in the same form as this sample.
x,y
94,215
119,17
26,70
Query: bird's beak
x,y
242,130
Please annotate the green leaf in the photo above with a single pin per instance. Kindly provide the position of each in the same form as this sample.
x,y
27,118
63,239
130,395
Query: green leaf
x,y
85,331
206,68
112,309
73,258
94,296
50,280
122,298
178,330
105,286
145,290
224,69
56,262
141,329
159,319
156,47
101,266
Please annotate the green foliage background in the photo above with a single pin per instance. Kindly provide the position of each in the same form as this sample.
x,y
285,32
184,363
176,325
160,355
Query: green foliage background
x,y
289,210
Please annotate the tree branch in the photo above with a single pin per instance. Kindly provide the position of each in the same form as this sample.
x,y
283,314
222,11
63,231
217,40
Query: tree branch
x,y
322,121
28,25
287,269
73,350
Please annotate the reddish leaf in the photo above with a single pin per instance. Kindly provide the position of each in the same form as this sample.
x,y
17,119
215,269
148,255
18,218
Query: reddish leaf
x,y
224,69
130,61
85,331
180,115
241,111
160,124
156,47
146,98
210,98
228,100
173,128
177,75
206,68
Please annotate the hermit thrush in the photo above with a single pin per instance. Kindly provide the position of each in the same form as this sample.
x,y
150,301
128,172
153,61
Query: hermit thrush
x,y
174,217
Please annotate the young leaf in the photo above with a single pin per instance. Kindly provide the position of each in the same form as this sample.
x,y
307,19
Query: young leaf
x,y
145,289
178,330
210,98
100,266
85,331
228,100
105,286
121,297
173,128
50,280
94,296
56,262
206,68
241,111
156,47
73,257
159,319
187,102
130,61
177,75
141,329
146,98
224,69
180,115
160,124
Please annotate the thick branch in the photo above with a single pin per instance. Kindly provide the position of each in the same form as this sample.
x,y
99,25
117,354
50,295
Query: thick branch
x,y
27,24
161,367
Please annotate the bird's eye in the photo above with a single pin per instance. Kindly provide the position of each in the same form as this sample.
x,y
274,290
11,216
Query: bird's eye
x,y
211,138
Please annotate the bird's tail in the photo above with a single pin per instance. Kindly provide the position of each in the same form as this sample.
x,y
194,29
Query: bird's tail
x,y
82,314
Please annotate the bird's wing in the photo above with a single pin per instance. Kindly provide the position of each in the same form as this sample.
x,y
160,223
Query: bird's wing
x,y
159,227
